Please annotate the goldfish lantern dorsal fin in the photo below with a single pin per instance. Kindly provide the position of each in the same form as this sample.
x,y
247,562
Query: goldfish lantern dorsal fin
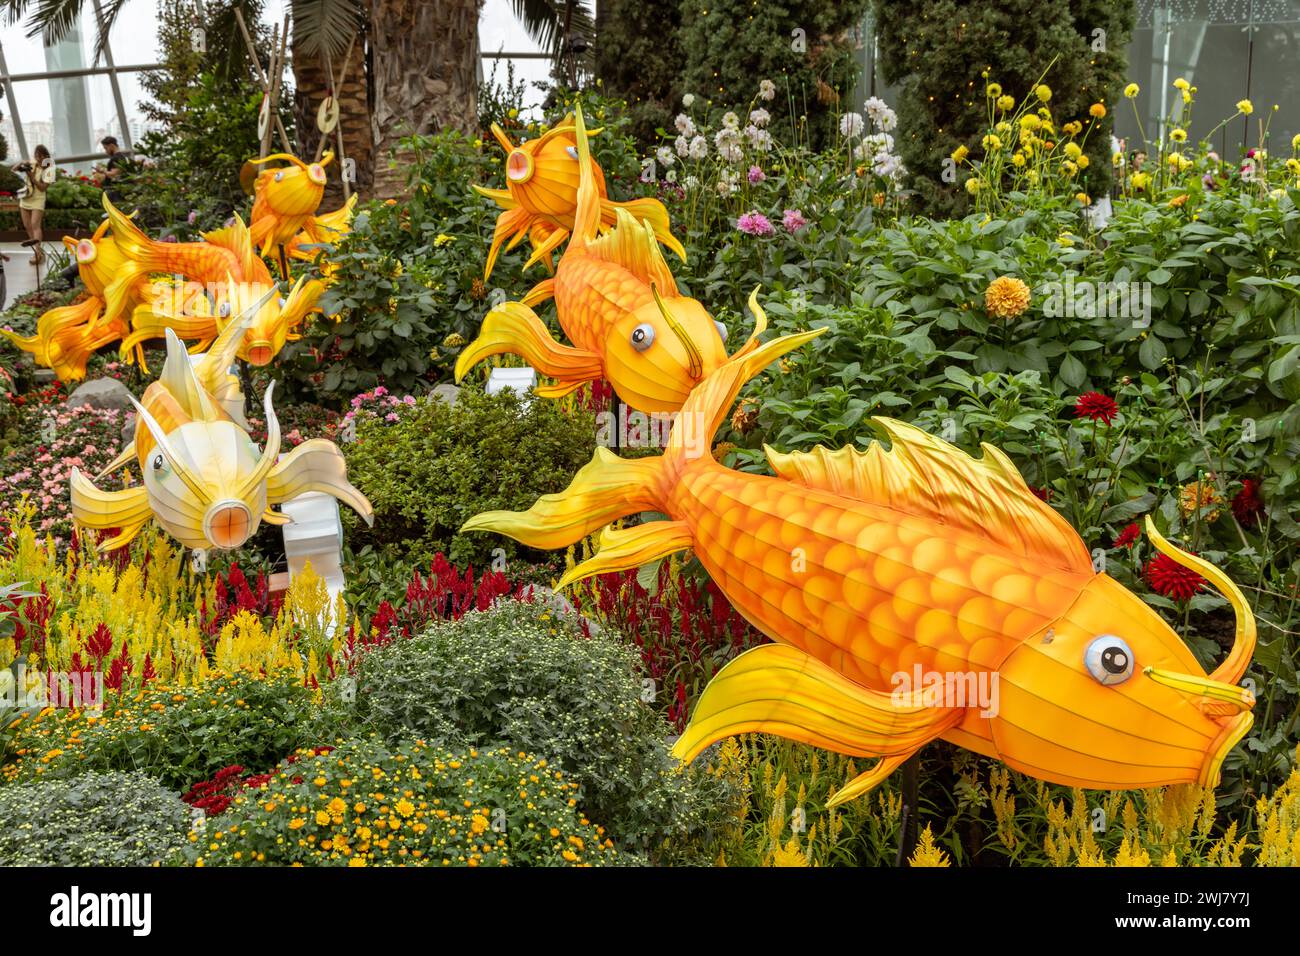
x,y
178,378
633,246
627,548
649,211
779,689
924,475
586,217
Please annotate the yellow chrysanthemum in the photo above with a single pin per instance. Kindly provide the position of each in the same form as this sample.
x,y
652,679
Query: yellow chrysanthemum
x,y
991,143
1097,110
973,185
1073,151
1131,91
1245,107
1083,199
1196,496
1178,135
1043,92
1006,103
960,153
1006,297
994,90
1181,84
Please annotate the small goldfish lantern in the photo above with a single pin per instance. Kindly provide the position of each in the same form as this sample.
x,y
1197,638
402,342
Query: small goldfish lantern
x,y
285,202
66,336
275,319
205,482
541,196
618,304
901,585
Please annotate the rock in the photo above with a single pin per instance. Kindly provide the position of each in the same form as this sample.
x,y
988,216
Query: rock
x,y
43,376
448,393
101,393
128,429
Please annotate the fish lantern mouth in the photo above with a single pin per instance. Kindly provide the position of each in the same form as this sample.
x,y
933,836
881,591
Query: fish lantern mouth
x,y
519,167
260,352
86,251
316,173
227,524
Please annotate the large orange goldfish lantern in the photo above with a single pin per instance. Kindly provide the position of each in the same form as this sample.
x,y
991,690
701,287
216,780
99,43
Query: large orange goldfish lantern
x,y
618,304
898,584
541,195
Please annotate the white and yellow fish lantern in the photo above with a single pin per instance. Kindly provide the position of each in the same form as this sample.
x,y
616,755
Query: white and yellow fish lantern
x,y
205,481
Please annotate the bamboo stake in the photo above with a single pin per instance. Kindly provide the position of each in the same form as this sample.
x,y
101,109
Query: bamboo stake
x,y
261,75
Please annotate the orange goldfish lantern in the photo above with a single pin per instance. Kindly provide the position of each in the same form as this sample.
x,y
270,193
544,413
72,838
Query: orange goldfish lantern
x,y
914,593
187,310
285,202
541,196
67,336
618,304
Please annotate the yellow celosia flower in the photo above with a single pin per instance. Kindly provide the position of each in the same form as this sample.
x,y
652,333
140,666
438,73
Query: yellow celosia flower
x,y
926,853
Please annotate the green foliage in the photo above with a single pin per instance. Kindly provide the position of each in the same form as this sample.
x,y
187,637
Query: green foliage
x,y
943,53
732,44
179,736
96,819
408,803
522,675
639,59
439,465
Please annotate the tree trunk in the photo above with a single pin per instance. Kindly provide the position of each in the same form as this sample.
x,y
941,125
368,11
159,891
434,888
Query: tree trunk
x,y
311,84
424,78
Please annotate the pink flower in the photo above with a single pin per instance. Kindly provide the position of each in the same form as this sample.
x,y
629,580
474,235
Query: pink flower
x,y
755,224
793,220
380,391
409,399
756,174
392,417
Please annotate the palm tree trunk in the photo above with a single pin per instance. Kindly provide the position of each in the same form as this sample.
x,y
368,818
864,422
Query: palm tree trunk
x,y
423,76
311,83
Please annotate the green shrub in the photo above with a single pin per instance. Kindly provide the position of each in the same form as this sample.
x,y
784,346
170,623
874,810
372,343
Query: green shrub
x,y
95,819
179,735
519,675
365,803
439,465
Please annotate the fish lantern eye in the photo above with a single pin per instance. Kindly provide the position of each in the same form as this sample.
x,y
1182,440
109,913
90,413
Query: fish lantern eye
x,y
643,336
519,167
281,301
572,151
159,462
278,176
223,310
1109,659
722,329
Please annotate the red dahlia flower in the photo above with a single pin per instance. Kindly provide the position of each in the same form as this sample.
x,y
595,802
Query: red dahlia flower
x,y
1166,576
1096,406
1247,503
1127,537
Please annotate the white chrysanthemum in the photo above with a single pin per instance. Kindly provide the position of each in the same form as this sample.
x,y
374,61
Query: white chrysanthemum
x,y
862,152
759,139
730,120
691,182
888,120
760,117
688,100
880,113
887,166
665,156
683,146
880,142
766,90
699,147
685,125
851,125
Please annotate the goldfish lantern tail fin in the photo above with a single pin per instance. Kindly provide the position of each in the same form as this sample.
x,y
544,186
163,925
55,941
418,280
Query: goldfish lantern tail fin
x,y
586,218
781,690
711,400
179,379
513,328
605,489
512,224
542,249
650,211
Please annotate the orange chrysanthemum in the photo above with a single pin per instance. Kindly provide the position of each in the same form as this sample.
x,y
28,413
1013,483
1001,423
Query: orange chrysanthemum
x,y
1006,297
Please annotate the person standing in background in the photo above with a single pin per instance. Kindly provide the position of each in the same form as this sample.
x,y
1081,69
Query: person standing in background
x,y
107,177
40,173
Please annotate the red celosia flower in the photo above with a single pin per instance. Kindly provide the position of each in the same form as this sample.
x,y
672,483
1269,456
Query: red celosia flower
x,y
1126,537
1166,576
1247,503
1096,406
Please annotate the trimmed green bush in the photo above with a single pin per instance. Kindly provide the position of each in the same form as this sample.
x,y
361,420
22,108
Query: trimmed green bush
x,y
95,819
520,675
439,465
